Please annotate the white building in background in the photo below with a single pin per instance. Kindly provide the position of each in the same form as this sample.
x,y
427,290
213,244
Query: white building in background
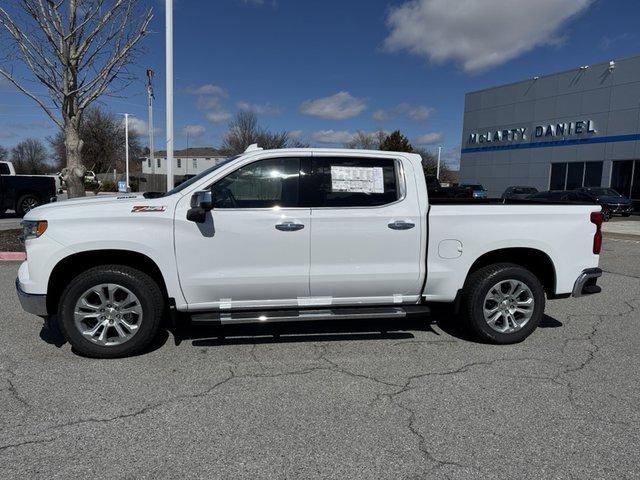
x,y
187,162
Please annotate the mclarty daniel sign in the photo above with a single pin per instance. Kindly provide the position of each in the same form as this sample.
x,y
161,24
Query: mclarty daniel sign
x,y
569,129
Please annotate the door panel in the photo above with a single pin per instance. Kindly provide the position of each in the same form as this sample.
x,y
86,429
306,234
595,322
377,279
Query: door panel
x,y
252,251
365,254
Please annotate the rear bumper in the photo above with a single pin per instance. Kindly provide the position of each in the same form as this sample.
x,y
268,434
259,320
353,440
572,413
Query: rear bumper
x,y
34,304
586,283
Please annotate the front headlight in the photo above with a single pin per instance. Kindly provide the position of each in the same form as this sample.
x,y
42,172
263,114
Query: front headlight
x,y
33,228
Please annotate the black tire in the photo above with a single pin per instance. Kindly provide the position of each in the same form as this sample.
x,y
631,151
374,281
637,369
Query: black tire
x,y
25,203
140,284
477,287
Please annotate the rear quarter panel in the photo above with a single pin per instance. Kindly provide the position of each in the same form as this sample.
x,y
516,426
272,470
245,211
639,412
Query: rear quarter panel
x,y
564,232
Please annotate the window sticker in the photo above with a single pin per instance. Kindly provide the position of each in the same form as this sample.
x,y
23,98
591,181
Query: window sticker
x,y
357,179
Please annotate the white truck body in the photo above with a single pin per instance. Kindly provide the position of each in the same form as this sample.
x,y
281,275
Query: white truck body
x,y
307,256
343,256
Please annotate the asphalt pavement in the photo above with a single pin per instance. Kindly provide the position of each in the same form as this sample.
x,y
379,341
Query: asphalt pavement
x,y
335,400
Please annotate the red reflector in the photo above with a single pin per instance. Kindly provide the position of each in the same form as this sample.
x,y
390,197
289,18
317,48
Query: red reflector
x,y
597,218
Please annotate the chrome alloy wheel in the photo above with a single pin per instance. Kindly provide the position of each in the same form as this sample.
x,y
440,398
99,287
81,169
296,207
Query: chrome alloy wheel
x,y
508,306
28,204
108,314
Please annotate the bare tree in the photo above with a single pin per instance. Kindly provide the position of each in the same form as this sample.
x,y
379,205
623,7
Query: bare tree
x,y
3,153
102,134
77,50
244,131
30,157
366,141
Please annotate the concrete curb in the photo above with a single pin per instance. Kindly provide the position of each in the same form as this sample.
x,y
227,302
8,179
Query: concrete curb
x,y
12,256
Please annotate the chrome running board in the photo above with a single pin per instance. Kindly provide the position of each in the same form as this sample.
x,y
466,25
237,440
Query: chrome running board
x,y
307,315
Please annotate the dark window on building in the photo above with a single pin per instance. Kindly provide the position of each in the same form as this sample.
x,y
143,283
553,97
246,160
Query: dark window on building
x,y
621,174
351,182
593,174
575,174
159,163
179,161
263,184
635,187
558,176
4,169
149,162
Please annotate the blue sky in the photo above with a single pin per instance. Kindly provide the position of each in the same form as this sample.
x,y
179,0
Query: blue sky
x,y
327,68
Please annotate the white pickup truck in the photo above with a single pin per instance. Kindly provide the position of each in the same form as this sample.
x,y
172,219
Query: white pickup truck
x,y
300,234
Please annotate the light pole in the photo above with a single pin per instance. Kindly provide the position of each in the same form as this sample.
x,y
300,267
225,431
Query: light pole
x,y
126,150
438,169
151,97
169,88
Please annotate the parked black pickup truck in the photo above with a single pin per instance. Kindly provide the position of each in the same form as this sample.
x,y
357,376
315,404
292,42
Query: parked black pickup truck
x,y
24,192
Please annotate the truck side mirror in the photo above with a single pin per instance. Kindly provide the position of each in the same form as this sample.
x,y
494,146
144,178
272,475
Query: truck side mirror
x,y
201,203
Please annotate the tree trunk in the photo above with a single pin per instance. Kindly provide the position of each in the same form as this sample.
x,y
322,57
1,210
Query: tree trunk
x,y
74,173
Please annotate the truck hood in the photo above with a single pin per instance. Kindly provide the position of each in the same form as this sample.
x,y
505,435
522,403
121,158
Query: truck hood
x,y
88,202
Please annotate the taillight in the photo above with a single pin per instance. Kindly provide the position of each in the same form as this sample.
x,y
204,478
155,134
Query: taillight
x,y
597,218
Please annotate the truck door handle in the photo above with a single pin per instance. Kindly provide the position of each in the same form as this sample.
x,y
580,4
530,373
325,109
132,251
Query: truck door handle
x,y
289,226
401,225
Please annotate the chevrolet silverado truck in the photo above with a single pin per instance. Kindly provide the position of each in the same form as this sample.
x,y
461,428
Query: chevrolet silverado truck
x,y
24,192
300,234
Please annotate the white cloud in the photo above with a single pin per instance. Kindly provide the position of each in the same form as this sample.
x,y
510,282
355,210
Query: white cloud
x,y
478,34
428,138
193,131
260,109
340,106
208,89
295,134
332,136
211,104
137,125
413,112
217,116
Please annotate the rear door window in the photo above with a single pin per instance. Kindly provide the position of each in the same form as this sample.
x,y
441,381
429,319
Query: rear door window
x,y
351,182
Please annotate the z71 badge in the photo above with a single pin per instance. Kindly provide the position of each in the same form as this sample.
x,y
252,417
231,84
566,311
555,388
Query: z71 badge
x,y
148,208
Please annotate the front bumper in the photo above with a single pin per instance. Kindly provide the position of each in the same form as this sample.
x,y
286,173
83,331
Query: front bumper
x,y
34,304
619,208
586,283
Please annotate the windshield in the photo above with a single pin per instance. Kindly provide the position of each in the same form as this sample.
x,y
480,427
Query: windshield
x,y
523,190
474,186
195,179
605,191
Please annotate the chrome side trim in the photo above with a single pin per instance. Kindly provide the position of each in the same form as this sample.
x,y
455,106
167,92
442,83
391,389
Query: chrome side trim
x,y
300,315
34,304
587,281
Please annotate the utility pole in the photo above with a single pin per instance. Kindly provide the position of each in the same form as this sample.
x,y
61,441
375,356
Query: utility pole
x,y
126,149
169,88
438,169
151,97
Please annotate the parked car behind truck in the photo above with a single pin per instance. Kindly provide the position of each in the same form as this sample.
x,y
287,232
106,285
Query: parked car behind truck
x,y
22,193
301,234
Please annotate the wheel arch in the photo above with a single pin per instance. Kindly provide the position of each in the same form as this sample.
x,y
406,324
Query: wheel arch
x,y
534,260
74,264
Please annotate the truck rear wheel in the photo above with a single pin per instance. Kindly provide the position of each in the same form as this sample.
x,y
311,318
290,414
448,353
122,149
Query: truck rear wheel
x,y
111,311
503,303
25,203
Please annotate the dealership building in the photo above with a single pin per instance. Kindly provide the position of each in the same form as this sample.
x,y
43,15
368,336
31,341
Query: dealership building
x,y
554,132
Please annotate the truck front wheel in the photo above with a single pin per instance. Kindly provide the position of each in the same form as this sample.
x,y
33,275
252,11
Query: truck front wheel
x,y
111,311
503,303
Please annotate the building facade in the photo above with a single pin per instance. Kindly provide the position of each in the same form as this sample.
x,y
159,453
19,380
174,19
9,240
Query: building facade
x,y
560,131
186,163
